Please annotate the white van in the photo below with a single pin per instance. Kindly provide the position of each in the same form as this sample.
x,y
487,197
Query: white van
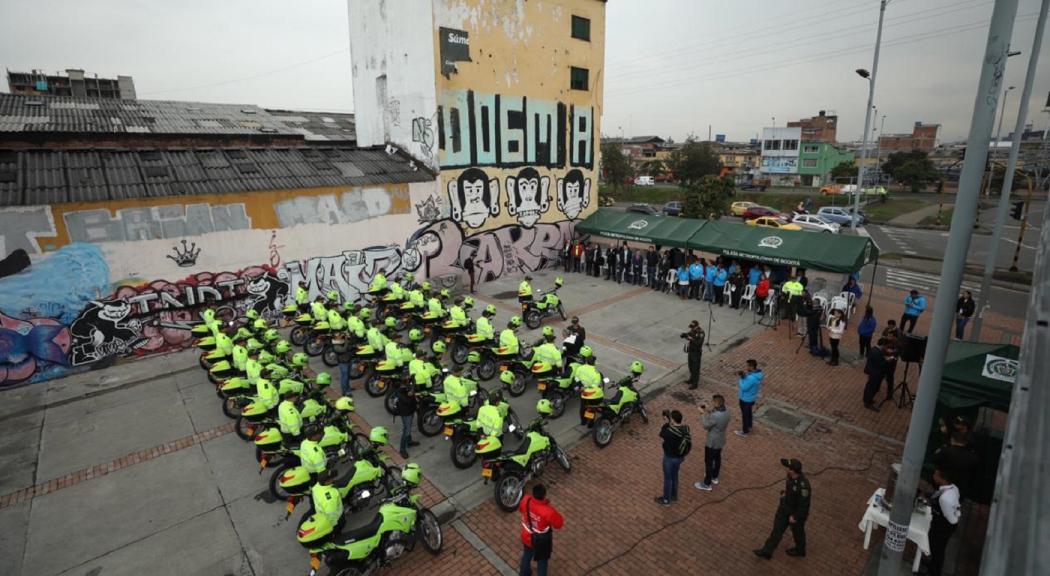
x,y
644,181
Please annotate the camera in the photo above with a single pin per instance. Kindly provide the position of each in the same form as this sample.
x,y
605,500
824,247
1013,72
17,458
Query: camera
x,y
666,414
740,373
683,335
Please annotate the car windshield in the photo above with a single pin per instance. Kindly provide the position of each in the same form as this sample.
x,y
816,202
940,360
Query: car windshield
x,y
823,221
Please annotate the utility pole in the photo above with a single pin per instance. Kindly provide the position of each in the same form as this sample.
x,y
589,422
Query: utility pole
x,y
867,117
878,152
1008,176
985,103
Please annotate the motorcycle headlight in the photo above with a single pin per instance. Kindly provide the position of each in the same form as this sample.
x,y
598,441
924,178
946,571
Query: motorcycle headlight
x,y
511,428
365,493
605,380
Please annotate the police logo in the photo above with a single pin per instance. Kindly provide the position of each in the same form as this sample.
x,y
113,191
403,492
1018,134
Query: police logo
x,y
999,368
770,242
638,224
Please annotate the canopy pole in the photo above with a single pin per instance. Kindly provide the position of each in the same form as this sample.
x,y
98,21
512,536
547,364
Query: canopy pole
x,y
871,292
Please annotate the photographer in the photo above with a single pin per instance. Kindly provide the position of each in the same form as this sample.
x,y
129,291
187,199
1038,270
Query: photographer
x,y
694,348
716,421
676,444
750,384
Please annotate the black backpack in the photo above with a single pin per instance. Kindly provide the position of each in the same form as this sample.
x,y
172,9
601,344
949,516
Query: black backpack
x,y
685,443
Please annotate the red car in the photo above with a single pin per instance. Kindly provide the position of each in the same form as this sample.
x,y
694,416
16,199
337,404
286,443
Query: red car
x,y
760,211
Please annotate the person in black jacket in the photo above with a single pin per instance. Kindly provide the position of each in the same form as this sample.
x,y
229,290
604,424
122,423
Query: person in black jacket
x,y
676,444
878,362
695,351
792,511
964,310
405,407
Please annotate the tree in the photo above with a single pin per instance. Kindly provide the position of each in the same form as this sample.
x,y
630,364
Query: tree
x,y
653,168
843,171
615,166
692,161
707,197
913,169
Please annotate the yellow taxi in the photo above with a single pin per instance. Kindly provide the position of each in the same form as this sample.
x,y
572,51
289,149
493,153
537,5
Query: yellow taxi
x,y
738,208
767,222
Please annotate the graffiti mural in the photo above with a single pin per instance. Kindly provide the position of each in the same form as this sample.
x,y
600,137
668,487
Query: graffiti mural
x,y
149,223
346,208
28,346
527,196
187,257
473,197
574,193
21,226
349,273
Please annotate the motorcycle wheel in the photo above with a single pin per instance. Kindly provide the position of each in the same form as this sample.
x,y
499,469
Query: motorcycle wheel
x,y
357,370
561,310
459,351
275,482
603,431
563,459
388,401
329,357
298,335
462,452
641,412
517,387
375,386
314,346
231,407
245,429
509,489
519,432
400,323
215,379
487,367
533,318
430,531
430,423
348,571
557,400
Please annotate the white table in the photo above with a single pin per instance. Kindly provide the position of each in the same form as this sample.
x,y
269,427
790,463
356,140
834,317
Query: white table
x,y
918,528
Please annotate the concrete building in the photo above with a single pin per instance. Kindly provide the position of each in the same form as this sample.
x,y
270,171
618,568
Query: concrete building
x,y
503,99
74,83
820,128
816,159
780,152
738,157
923,137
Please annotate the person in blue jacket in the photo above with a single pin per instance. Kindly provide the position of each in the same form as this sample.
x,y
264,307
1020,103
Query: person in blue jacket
x,y
683,282
750,384
696,277
720,283
865,330
914,305
754,274
709,282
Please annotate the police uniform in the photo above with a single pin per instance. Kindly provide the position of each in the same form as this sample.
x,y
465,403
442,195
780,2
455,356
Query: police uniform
x,y
793,504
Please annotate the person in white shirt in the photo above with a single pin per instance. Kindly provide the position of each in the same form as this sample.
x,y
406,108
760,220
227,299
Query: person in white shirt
x,y
944,503
836,327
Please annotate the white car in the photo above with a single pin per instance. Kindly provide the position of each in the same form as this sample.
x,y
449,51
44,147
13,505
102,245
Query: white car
x,y
644,181
815,223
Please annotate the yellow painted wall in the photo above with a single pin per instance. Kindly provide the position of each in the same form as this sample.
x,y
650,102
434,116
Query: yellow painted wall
x,y
523,48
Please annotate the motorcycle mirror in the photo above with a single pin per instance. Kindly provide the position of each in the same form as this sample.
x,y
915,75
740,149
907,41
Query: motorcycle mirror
x,y
511,428
365,493
605,380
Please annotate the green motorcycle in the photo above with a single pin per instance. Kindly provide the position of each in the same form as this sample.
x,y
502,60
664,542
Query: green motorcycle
x,y
549,305
401,522
270,447
511,472
625,403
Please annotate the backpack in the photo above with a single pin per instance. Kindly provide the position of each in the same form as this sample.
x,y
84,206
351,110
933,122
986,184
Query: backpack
x,y
685,445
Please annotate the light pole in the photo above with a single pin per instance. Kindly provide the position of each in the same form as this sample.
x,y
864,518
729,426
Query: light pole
x,y
878,152
1002,112
870,77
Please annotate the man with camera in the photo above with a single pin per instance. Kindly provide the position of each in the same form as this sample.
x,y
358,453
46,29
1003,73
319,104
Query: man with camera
x,y
694,348
716,421
750,383
676,445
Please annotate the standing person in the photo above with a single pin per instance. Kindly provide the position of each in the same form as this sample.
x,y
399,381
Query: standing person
x,y
875,367
749,384
574,327
696,278
914,304
577,256
625,264
944,503
588,258
637,265
652,263
736,288
345,359
539,520
964,310
716,421
406,408
865,330
813,313
566,255
721,277
710,273
892,339
676,445
694,348
468,265
754,274
683,282
792,511
836,328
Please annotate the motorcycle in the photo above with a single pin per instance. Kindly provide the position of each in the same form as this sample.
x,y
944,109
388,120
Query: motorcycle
x,y
489,363
401,521
547,305
466,434
611,414
558,389
511,472
270,446
255,416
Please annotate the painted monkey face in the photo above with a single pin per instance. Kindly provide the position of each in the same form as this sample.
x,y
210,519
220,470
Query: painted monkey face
x,y
475,210
529,197
474,197
114,311
573,193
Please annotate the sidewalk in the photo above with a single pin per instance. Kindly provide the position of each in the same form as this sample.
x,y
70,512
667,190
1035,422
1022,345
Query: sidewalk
x,y
912,219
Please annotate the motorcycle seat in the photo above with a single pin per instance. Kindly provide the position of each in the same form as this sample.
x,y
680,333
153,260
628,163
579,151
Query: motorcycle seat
x,y
362,532
522,448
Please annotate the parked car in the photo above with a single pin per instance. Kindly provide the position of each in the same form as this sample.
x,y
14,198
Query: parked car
x,y
738,208
643,208
840,216
759,185
673,208
815,223
644,181
757,211
771,222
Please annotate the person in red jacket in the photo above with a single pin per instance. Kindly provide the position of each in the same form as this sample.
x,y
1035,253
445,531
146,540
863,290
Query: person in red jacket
x,y
539,520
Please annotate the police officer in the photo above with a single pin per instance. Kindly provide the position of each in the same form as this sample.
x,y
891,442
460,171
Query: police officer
x,y
694,348
589,377
483,331
793,511
548,352
311,455
302,296
326,500
289,419
525,292
508,340
457,317
490,418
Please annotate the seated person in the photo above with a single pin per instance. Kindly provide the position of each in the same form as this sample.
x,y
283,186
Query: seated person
x,y
483,331
508,340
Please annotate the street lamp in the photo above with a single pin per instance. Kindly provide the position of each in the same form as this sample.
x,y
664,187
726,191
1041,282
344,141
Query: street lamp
x,y
1002,112
870,77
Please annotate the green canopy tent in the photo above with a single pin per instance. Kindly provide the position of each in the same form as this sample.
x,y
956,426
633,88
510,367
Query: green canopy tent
x,y
976,375
659,230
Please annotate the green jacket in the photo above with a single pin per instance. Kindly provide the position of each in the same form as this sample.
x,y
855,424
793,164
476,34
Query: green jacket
x,y
589,376
311,456
483,329
508,341
327,502
289,418
547,352
490,419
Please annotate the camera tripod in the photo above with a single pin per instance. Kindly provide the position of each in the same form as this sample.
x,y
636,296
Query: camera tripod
x,y
906,399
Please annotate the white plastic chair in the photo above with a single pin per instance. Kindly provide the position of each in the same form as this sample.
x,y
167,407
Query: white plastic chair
x,y
748,296
851,302
770,303
727,294
839,303
821,301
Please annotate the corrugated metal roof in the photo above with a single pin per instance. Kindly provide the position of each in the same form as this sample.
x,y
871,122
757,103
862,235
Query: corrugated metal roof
x,y
46,176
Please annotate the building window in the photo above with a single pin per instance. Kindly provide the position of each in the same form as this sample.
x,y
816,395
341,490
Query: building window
x,y
772,144
581,28
790,144
811,149
578,78
809,162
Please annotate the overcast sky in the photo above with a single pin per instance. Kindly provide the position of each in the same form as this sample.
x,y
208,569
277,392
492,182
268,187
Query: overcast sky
x,y
672,66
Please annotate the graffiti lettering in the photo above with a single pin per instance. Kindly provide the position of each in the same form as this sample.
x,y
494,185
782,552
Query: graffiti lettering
x,y
20,227
149,223
349,207
349,273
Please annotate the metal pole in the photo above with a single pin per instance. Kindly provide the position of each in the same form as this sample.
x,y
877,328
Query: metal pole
x,y
985,103
1024,224
878,152
1008,176
867,119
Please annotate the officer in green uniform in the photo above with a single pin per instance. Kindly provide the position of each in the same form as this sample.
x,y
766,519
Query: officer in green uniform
x,y
302,296
589,377
508,340
327,501
311,455
289,418
793,511
525,292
